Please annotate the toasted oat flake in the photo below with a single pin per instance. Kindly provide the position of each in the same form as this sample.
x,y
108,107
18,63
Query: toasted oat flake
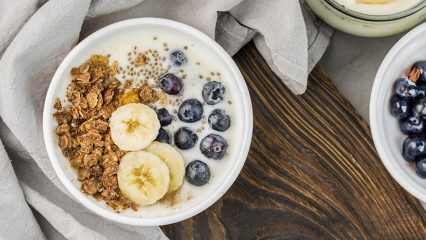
x,y
140,60
147,94
57,105
128,84
131,96
114,68
92,99
84,68
162,98
99,60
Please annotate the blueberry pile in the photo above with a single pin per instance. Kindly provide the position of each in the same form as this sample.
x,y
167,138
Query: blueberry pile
x,y
213,146
408,106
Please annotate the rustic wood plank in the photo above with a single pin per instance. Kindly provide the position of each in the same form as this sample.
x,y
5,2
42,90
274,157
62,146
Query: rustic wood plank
x,y
312,172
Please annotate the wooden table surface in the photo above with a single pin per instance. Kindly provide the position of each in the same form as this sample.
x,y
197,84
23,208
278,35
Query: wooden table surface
x,y
312,172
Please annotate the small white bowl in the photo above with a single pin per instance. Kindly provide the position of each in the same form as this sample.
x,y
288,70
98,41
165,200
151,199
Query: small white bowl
x,y
244,122
387,137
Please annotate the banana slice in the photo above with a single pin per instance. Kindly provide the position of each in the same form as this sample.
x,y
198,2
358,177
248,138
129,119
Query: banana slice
x,y
173,160
143,177
134,126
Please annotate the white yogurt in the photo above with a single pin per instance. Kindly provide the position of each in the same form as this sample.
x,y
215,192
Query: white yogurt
x,y
201,61
388,8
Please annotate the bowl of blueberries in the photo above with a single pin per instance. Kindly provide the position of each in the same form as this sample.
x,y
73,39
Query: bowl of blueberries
x,y
398,112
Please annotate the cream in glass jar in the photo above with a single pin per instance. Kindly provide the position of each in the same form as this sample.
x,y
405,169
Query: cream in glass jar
x,y
370,18
378,7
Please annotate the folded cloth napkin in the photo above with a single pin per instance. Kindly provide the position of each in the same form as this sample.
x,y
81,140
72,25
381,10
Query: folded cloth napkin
x,y
35,35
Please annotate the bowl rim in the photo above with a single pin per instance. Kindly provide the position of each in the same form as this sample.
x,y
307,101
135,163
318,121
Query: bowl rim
x,y
241,155
387,159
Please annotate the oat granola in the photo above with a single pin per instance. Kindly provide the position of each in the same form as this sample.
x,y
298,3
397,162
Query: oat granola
x,y
83,130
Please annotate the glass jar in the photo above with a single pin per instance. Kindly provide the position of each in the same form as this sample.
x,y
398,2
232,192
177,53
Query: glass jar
x,y
367,25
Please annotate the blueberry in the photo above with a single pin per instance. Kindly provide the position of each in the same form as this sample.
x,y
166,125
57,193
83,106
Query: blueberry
x,y
164,116
178,58
420,107
421,167
171,84
185,138
400,107
405,88
197,173
163,136
213,92
413,147
219,120
412,125
191,110
213,146
418,72
421,86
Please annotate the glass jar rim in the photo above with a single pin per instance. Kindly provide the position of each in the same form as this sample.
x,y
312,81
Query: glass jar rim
x,y
369,17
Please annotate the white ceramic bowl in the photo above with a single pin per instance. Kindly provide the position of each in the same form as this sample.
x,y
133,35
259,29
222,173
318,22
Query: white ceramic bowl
x,y
384,127
243,108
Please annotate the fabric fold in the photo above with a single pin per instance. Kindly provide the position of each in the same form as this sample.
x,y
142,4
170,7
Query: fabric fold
x,y
17,221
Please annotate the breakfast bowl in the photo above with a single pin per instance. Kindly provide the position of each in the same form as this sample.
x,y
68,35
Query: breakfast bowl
x,y
385,129
189,101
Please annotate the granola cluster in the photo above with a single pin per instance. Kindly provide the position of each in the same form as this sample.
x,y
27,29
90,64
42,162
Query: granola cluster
x,y
83,129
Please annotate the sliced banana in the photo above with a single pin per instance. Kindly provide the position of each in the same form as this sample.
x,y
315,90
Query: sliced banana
x,y
173,160
134,126
143,177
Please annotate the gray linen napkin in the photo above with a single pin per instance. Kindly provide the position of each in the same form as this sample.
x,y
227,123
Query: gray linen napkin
x,y
35,35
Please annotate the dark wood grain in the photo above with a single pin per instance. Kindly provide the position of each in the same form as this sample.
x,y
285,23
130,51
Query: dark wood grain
x,y
312,172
